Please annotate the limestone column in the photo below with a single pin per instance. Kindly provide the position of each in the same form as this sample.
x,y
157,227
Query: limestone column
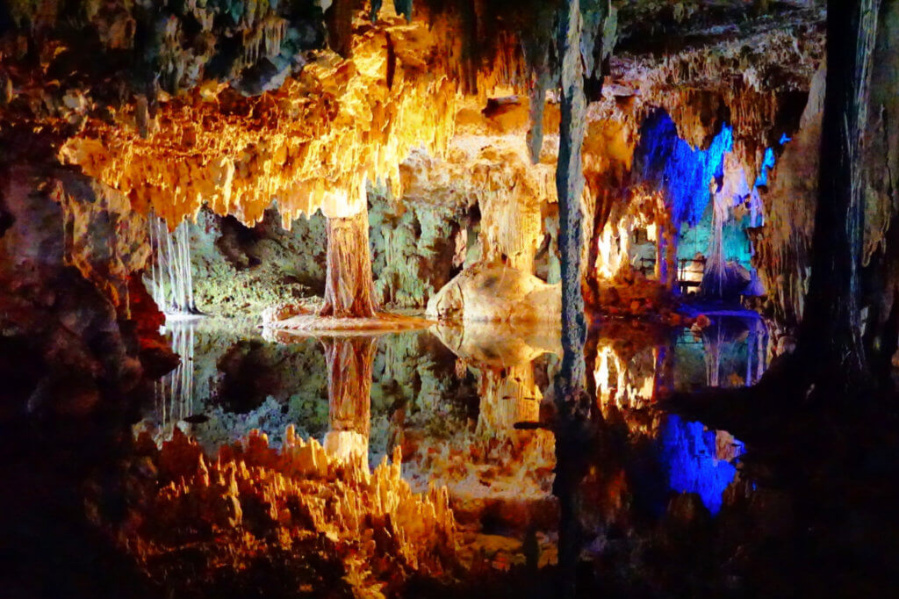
x,y
349,287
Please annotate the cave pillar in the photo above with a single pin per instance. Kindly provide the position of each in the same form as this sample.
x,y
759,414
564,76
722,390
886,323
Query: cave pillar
x,y
349,287
349,395
830,334
573,404
570,188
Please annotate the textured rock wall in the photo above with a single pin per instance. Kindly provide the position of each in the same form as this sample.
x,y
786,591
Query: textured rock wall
x,y
414,247
785,240
52,308
242,271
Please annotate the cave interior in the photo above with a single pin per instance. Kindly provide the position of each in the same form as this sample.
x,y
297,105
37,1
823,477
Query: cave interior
x,y
441,298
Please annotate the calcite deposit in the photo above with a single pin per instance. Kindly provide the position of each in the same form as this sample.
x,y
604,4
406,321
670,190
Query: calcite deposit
x,y
253,501
520,229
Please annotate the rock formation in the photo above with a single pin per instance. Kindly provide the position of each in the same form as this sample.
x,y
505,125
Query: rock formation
x,y
522,172
255,501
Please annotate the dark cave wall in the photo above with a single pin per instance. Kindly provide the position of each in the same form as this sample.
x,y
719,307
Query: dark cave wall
x,y
173,46
784,243
73,368
70,250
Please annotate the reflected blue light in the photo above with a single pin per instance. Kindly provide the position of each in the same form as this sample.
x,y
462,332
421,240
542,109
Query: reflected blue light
x,y
784,139
689,455
683,173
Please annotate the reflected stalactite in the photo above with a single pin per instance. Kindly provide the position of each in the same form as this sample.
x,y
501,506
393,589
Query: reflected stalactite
x,y
633,370
174,393
508,396
631,376
350,362
494,466
663,380
757,352
712,345
729,343
368,530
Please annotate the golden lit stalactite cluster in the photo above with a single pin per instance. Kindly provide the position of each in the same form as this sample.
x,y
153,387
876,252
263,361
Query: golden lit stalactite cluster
x,y
310,145
488,164
480,48
254,500
642,212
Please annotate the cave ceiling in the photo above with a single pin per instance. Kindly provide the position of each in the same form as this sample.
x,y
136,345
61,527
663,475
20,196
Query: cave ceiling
x,y
236,105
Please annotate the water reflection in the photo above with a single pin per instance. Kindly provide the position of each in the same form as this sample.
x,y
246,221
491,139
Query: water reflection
x,y
499,476
698,460
635,368
173,394
469,408
349,362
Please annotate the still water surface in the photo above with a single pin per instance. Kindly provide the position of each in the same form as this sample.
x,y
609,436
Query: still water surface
x,y
468,407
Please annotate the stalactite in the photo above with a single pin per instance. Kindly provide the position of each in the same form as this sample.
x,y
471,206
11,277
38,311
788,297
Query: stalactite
x,y
171,276
306,148
536,110
715,275
340,25
403,7
537,54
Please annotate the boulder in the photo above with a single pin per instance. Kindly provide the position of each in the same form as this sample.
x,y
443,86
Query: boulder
x,y
496,293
